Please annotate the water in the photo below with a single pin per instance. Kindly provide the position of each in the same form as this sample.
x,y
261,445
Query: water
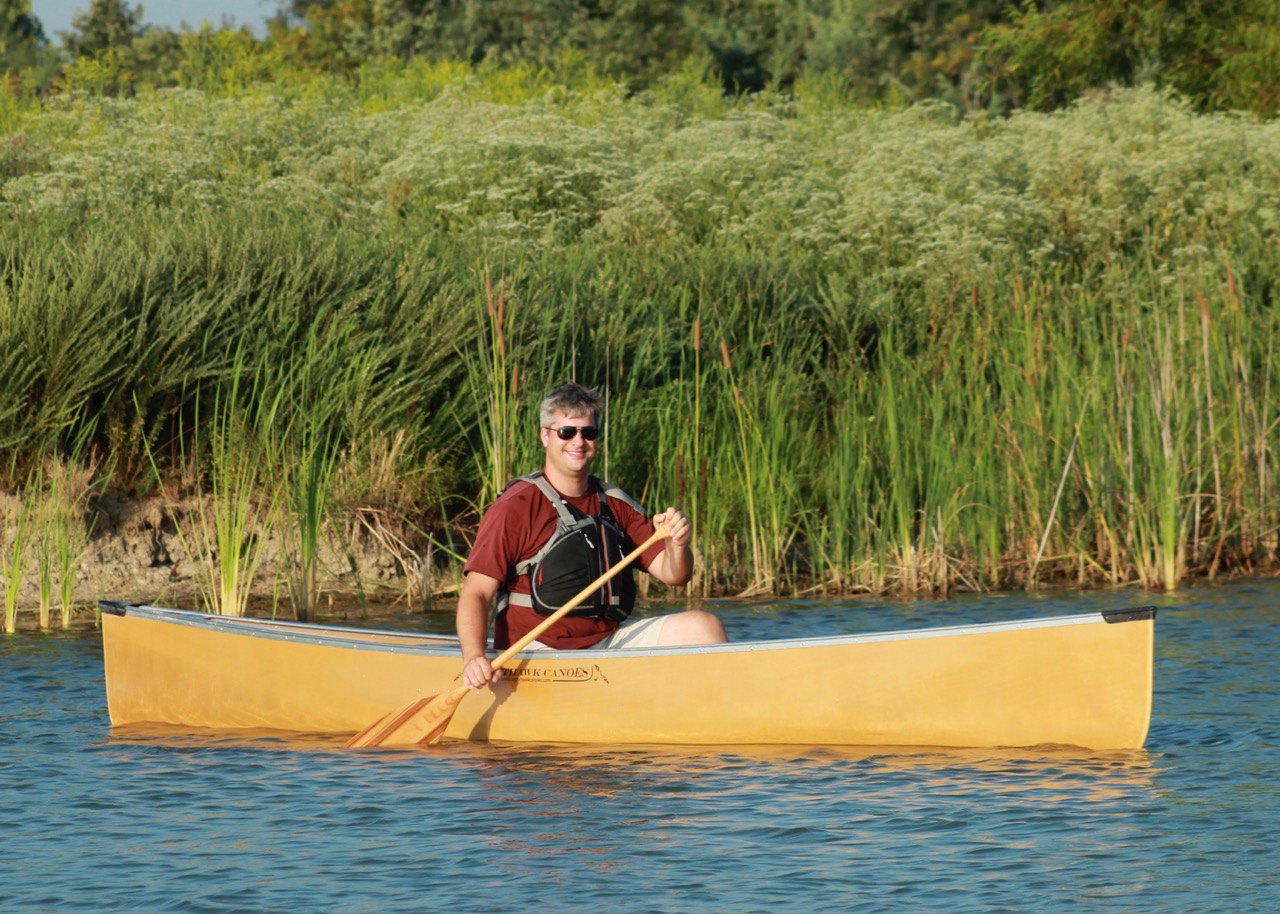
x,y
149,820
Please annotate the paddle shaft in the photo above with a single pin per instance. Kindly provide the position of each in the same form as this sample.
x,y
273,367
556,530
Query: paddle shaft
x,y
660,533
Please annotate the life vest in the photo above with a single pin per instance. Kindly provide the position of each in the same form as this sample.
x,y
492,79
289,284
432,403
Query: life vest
x,y
581,548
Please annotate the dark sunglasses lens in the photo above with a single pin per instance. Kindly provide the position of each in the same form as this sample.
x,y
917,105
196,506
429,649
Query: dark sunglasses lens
x,y
569,432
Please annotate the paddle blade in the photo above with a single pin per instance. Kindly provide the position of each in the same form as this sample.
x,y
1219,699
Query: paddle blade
x,y
377,732
420,722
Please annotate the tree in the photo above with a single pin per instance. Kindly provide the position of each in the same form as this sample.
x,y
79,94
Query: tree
x,y
1217,53
741,36
896,49
22,36
108,24
340,35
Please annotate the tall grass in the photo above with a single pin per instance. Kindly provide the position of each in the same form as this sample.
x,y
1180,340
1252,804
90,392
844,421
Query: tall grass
x,y
839,528
47,528
72,485
225,532
304,458
683,417
762,461
524,342
969,353
42,546
746,462
15,555
495,376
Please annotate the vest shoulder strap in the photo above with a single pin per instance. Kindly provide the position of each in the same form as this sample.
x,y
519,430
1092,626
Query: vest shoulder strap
x,y
608,489
616,493
567,520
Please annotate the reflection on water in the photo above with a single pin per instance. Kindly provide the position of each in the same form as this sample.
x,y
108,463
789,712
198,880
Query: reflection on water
x,y
176,737
604,771
153,818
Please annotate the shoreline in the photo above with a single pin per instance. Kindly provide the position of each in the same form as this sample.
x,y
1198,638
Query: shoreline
x,y
137,554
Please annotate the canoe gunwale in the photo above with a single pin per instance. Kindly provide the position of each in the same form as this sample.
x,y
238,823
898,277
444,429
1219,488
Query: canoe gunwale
x,y
429,644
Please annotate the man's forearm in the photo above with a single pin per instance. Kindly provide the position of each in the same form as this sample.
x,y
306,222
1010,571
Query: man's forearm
x,y
473,625
674,566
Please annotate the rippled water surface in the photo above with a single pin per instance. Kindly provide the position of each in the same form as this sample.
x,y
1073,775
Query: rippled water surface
x,y
147,820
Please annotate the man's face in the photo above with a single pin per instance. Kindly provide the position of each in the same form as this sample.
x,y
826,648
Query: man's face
x,y
572,456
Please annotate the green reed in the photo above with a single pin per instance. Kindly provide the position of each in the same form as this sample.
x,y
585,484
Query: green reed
x,y
1237,420
1160,417
304,458
691,474
745,463
918,435
525,343
56,502
15,556
680,416
33,543
223,528
309,485
782,423
71,488
838,530
901,496
496,377
229,524
44,558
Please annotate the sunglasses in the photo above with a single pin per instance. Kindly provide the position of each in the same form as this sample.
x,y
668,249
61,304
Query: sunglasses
x,y
569,432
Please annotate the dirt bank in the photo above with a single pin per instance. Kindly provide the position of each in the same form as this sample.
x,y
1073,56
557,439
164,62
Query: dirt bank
x,y
137,553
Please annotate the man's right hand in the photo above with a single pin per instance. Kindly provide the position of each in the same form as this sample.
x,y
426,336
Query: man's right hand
x,y
477,672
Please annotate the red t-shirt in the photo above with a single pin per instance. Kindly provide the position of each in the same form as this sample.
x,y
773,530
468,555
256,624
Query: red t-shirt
x,y
514,528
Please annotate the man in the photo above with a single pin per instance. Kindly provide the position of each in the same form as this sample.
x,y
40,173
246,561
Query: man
x,y
542,541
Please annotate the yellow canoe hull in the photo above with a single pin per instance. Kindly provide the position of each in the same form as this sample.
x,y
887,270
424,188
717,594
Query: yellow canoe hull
x,y
1082,680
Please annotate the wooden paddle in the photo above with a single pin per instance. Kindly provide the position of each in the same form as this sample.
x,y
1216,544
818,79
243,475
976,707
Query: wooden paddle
x,y
424,721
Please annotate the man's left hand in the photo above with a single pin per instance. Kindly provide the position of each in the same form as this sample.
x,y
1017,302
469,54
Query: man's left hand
x,y
678,523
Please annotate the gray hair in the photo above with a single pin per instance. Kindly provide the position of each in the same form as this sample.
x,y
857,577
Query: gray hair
x,y
571,400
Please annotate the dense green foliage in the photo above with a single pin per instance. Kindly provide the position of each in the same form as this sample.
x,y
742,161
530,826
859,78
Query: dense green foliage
x,y
1222,53
866,350
978,55
22,37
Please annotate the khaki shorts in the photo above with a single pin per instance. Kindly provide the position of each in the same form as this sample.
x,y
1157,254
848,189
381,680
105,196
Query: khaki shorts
x,y
641,633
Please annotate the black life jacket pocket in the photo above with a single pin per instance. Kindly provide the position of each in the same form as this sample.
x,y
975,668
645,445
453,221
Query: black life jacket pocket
x,y
576,559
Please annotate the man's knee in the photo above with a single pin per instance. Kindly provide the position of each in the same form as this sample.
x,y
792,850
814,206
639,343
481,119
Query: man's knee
x,y
694,626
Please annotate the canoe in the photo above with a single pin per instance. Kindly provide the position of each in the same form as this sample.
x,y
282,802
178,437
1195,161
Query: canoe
x,y
1077,680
